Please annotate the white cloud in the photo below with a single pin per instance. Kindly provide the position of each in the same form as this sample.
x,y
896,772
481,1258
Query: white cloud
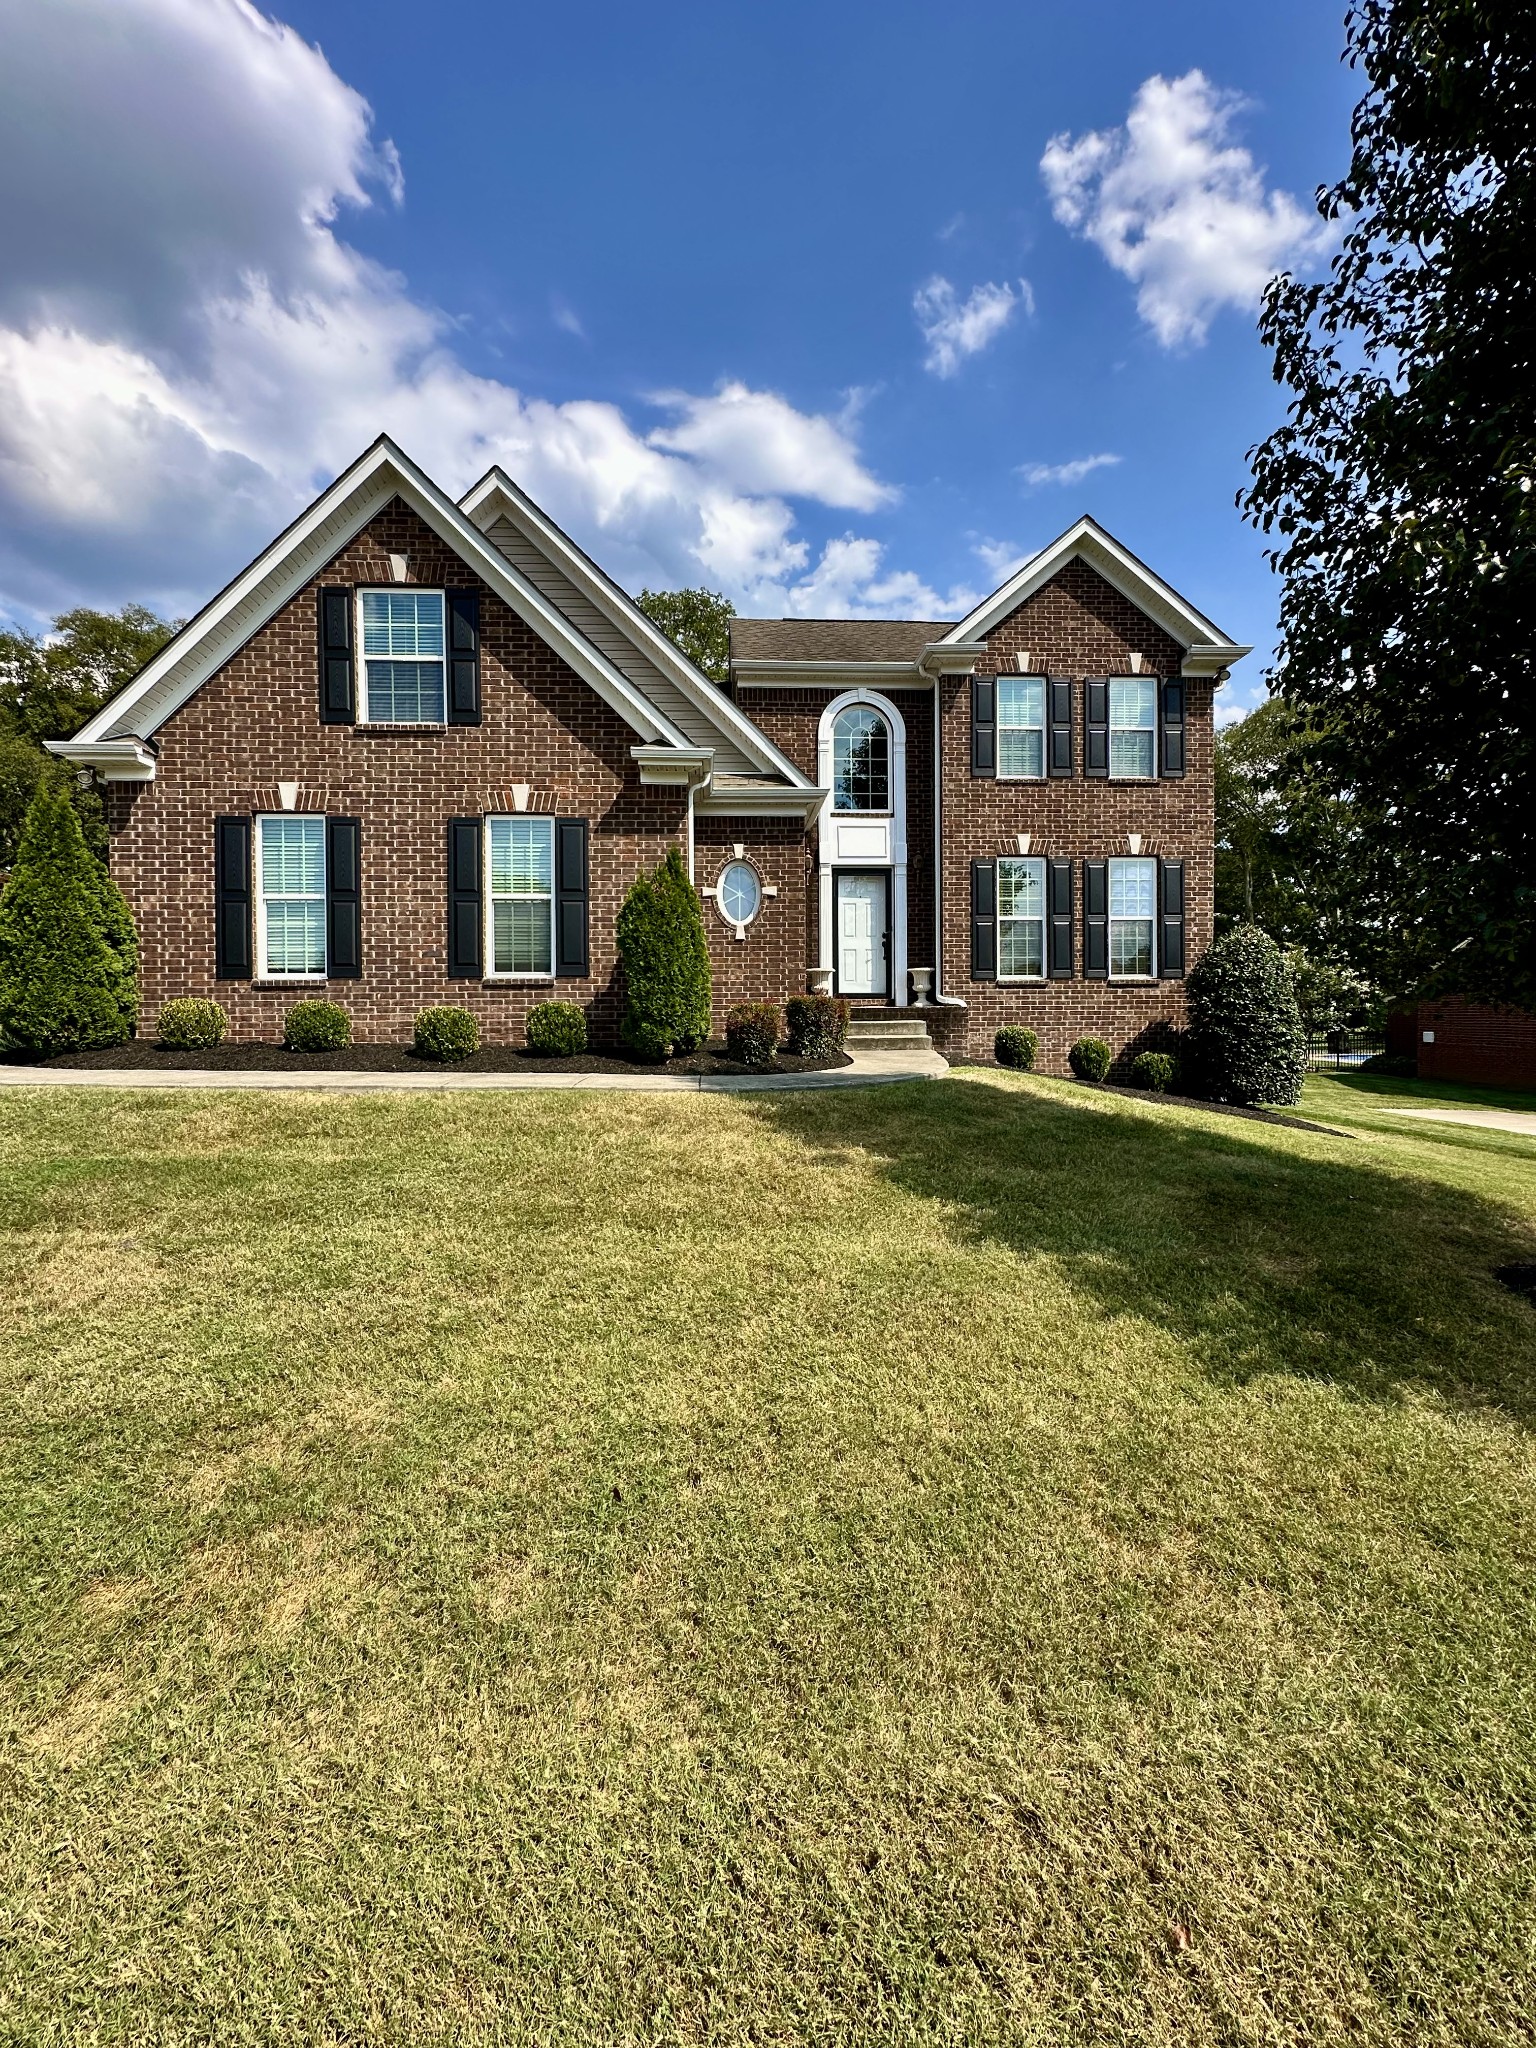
x,y
565,317
189,348
1178,207
1000,558
1035,473
850,581
954,330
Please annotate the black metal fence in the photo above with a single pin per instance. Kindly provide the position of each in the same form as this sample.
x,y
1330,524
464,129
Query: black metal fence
x,y
1327,1051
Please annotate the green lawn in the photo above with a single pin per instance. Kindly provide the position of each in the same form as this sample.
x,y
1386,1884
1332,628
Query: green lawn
x,y
977,1562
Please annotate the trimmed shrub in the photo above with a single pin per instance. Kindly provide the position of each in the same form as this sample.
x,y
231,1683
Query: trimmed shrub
x,y
752,1033
445,1032
665,961
192,1024
1016,1047
1089,1059
313,1026
69,956
557,1029
817,1026
1154,1071
1245,1038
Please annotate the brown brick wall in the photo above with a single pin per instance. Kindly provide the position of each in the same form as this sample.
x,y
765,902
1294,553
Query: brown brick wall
x,y
1077,626
1481,1042
769,961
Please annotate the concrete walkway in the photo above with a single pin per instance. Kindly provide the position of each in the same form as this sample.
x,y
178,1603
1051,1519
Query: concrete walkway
x,y
1521,1120
866,1069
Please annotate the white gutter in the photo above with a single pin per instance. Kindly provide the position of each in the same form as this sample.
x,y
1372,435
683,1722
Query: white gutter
x,y
127,759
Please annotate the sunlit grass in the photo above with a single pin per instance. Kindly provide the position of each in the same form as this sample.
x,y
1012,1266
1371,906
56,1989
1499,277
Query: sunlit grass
x,y
975,1562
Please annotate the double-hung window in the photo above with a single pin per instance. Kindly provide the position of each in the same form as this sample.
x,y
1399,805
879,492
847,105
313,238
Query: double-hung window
x,y
1132,727
403,657
521,896
1021,726
1021,920
1132,917
290,923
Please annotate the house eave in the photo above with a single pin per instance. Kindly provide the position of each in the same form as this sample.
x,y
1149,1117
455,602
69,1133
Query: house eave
x,y
674,767
801,801
128,759
837,675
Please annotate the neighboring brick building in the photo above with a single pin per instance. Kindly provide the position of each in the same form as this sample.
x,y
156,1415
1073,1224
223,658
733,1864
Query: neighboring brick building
x,y
418,751
1454,1040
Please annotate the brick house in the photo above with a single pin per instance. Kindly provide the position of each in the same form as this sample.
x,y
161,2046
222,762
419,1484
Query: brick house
x,y
418,750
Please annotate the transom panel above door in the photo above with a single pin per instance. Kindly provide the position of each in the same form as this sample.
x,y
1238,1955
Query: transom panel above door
x,y
862,935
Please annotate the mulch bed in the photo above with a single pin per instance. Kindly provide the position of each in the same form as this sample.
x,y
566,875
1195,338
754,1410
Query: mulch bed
x,y
144,1053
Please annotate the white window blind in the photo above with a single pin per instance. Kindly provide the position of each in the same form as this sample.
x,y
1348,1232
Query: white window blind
x,y
1132,726
1132,915
292,896
522,891
1020,725
403,657
1021,919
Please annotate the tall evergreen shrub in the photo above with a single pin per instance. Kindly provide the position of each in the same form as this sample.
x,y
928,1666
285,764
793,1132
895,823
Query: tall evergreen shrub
x,y
1245,1040
665,959
69,956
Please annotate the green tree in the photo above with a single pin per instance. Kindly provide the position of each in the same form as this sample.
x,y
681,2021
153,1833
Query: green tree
x,y
698,622
1401,490
665,961
68,953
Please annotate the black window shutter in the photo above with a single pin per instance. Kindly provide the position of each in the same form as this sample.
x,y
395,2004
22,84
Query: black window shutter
x,y
983,725
1173,727
465,948
1058,913
1095,920
232,898
1096,727
463,657
983,920
1058,716
1170,935
571,897
338,689
343,899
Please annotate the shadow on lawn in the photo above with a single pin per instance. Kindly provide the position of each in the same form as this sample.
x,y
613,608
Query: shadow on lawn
x,y
1262,1249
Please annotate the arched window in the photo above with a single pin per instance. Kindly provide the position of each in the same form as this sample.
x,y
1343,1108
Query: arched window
x,y
861,761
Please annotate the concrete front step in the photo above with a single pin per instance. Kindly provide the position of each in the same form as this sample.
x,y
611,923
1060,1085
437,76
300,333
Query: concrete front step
x,y
889,1029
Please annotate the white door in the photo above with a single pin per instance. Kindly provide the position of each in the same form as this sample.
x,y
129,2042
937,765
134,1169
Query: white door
x,y
861,935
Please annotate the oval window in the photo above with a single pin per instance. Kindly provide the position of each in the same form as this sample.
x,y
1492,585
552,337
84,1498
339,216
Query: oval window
x,y
740,893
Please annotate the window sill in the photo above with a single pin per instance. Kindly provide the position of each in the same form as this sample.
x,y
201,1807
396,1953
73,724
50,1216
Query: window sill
x,y
513,980
1133,980
401,725
289,980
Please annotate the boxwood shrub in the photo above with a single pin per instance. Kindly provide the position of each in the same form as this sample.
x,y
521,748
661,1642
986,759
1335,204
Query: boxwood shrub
x,y
445,1032
1015,1046
1089,1059
192,1024
817,1025
1245,1034
557,1030
752,1033
1154,1071
313,1026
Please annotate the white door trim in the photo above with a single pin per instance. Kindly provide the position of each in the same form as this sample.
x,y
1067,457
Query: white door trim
x,y
895,821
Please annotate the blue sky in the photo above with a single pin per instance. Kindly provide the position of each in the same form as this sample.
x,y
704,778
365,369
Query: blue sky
x,y
829,306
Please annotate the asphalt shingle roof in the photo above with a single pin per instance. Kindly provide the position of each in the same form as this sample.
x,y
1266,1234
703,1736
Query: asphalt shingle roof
x,y
834,639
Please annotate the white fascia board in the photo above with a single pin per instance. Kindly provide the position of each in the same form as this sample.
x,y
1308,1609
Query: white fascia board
x,y
119,760
800,802
496,494
836,675
1119,568
281,571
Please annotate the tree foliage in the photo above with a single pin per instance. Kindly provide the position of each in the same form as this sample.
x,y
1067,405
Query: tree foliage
x,y
1245,1040
68,953
665,961
1399,492
698,622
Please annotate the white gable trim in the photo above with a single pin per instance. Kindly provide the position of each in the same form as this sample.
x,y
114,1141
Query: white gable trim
x,y
1207,648
497,496
247,604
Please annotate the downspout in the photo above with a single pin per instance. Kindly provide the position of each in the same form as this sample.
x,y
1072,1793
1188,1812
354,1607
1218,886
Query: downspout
x,y
946,1002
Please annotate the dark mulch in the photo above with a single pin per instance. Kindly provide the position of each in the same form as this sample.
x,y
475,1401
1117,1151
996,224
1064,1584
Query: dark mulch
x,y
1519,1279
1258,1116
141,1053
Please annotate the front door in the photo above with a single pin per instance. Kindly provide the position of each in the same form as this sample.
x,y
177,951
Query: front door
x,y
861,923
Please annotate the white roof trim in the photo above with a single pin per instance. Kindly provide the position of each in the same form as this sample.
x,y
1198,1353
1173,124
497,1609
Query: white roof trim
x,y
496,494
1122,571
245,606
124,760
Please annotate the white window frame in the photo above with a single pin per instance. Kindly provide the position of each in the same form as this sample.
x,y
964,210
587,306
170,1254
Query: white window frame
x,y
1011,681
1020,861
888,809
285,975
364,705
1110,920
492,972
739,923
1139,682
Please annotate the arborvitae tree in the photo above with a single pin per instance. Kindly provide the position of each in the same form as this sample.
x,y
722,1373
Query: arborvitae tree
x,y
665,958
1245,1038
68,954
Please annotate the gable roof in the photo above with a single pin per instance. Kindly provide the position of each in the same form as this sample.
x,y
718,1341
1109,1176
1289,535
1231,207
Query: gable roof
x,y
1207,650
224,625
859,640
609,615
